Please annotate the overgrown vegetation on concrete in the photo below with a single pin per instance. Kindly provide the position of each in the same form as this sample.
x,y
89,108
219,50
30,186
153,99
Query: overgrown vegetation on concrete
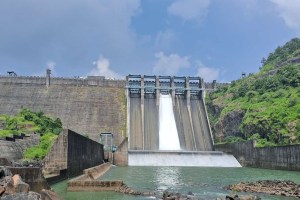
x,y
268,102
28,122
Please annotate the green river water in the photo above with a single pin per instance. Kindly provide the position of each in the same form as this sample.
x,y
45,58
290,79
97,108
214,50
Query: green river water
x,y
203,182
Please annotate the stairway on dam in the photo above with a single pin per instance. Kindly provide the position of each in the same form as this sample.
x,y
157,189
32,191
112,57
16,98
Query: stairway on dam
x,y
192,126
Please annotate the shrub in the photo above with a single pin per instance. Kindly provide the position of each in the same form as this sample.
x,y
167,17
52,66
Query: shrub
x,y
39,152
233,139
292,101
251,94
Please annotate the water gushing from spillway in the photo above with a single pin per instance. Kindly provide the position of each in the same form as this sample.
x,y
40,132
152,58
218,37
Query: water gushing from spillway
x,y
168,135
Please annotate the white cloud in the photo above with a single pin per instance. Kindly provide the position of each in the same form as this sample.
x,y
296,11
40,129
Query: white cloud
x,y
78,30
290,12
208,73
164,39
102,68
189,9
170,64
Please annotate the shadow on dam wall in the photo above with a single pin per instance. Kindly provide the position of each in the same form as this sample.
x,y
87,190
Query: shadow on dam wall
x,y
191,122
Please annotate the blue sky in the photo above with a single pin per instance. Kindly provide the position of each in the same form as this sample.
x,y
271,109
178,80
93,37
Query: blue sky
x,y
214,39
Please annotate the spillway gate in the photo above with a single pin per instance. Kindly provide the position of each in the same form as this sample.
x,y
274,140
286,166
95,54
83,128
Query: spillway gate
x,y
143,93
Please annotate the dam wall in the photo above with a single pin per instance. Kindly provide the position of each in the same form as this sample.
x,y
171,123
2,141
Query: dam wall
x,y
88,105
280,157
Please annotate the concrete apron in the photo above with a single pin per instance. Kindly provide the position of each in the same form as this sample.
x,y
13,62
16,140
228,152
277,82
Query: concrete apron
x,y
181,158
90,180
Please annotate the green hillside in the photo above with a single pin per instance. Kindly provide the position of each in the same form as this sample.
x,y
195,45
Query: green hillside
x,y
264,106
27,122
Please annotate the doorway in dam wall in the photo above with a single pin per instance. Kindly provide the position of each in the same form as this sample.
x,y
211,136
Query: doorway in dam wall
x,y
107,140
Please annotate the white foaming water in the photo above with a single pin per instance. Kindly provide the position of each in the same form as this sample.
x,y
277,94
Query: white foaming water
x,y
168,135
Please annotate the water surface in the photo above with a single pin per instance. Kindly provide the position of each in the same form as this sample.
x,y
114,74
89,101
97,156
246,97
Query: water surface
x,y
205,183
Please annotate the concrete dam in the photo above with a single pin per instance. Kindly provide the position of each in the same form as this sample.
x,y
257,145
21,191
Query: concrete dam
x,y
163,117
168,123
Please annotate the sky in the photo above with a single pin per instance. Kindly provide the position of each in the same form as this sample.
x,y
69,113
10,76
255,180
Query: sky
x,y
213,39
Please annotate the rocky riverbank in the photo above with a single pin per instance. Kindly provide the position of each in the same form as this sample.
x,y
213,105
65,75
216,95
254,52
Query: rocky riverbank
x,y
272,187
168,195
13,187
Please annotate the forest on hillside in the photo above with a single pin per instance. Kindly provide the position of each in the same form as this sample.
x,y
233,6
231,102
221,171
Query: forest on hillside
x,y
264,106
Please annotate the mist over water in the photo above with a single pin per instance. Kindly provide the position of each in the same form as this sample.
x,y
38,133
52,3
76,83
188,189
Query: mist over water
x,y
168,135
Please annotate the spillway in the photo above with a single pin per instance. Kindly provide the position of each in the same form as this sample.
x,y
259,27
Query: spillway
x,y
168,123
168,136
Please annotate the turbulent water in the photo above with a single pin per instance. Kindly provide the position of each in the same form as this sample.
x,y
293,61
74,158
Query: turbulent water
x,y
204,182
168,136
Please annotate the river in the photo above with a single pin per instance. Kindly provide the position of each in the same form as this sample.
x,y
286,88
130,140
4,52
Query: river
x,y
203,182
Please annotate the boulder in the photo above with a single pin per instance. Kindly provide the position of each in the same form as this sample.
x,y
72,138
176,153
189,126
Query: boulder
x,y
22,196
19,185
9,185
232,197
49,195
249,197
2,190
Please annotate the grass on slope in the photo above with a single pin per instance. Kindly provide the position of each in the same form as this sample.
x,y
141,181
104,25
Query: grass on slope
x,y
40,151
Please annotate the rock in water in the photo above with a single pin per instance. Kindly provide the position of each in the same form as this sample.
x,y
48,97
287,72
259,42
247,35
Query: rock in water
x,y
49,195
272,187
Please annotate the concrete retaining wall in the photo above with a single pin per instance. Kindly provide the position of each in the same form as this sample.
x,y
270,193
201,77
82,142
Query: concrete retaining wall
x,y
281,157
31,175
56,160
121,155
10,150
83,153
94,185
74,153
13,150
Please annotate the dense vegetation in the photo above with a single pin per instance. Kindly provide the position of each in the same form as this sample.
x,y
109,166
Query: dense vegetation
x,y
27,122
270,99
